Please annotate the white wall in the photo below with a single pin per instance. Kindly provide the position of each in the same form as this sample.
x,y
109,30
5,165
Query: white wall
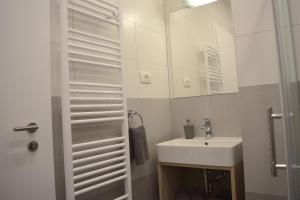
x,y
256,40
144,47
257,59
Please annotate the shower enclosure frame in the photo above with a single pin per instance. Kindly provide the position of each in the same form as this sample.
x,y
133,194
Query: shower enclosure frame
x,y
289,101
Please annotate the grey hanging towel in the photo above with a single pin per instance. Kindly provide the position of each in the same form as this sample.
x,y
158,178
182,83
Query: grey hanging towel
x,y
138,145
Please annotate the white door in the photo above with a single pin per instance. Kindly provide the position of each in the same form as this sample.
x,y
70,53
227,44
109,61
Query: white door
x,y
25,97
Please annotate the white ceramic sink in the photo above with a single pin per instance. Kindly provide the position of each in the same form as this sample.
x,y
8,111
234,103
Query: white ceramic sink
x,y
217,151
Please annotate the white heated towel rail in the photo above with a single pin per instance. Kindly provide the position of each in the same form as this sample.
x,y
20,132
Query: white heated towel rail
x,y
93,99
214,70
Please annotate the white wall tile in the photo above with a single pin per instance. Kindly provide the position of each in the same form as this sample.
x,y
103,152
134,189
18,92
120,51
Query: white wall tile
x,y
129,40
54,22
196,26
252,16
151,46
159,88
144,41
226,47
150,13
131,78
127,8
180,27
179,89
185,56
220,12
257,61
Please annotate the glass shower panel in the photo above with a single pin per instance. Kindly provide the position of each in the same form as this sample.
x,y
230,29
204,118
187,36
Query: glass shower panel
x,y
290,91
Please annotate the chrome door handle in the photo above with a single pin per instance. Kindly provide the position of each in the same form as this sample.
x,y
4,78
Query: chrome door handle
x,y
274,166
30,128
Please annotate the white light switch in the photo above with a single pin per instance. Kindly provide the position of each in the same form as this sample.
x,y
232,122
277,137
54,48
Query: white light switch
x,y
187,82
145,77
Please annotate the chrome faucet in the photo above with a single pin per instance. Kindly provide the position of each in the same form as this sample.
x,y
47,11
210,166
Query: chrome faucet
x,y
207,127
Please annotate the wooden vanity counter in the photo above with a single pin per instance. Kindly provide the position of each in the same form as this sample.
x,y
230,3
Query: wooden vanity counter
x,y
171,176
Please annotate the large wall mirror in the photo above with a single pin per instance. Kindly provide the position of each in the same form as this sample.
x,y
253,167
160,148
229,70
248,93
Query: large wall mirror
x,y
201,49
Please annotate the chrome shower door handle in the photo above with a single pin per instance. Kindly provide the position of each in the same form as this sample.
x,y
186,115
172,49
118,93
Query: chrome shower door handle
x,y
30,128
270,120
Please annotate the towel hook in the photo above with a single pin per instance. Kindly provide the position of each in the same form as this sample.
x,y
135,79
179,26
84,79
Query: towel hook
x,y
132,113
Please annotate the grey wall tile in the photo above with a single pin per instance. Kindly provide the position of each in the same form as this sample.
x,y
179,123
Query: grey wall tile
x,y
156,114
226,113
296,40
294,6
231,115
157,120
58,148
138,189
254,196
145,188
108,192
164,120
235,114
223,110
184,108
151,187
256,143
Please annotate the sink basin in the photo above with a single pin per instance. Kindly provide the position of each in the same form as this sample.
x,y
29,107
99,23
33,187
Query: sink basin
x,y
217,151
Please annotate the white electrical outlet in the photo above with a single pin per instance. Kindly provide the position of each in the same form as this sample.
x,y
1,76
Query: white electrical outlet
x,y
187,82
145,77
